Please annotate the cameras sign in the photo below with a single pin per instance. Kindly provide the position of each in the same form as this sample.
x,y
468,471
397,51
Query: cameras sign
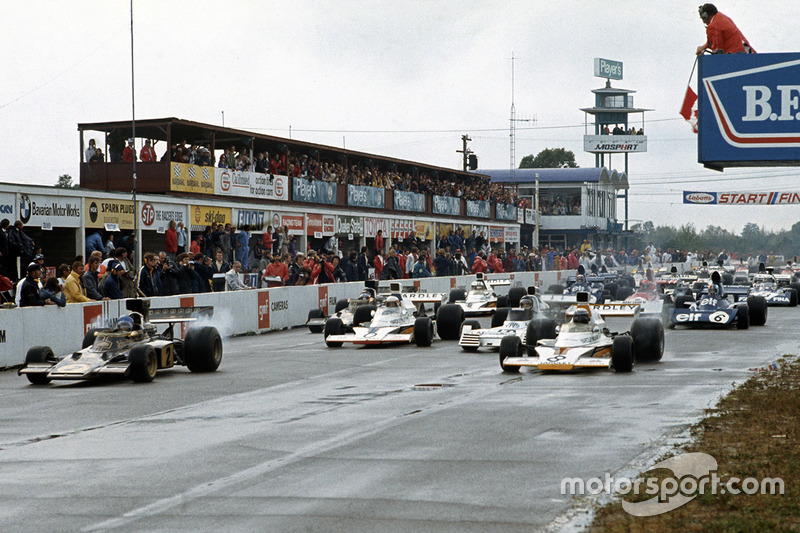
x,y
749,110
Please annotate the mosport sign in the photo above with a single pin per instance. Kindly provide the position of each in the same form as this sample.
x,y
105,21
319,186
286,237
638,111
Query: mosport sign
x,y
749,110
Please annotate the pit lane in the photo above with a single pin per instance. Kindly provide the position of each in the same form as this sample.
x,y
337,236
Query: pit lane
x,y
292,436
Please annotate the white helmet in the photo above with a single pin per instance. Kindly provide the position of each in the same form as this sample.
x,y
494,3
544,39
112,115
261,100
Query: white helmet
x,y
392,301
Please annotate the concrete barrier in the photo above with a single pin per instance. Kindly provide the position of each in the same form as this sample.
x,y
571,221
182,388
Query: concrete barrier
x,y
235,313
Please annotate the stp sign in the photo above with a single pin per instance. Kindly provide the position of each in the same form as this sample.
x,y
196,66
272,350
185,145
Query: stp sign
x,y
148,214
749,110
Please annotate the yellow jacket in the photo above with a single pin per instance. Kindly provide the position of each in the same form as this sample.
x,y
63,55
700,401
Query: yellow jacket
x,y
74,290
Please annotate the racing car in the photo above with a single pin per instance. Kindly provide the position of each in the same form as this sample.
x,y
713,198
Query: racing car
x,y
767,286
585,342
351,311
399,318
133,348
481,299
505,322
649,299
713,309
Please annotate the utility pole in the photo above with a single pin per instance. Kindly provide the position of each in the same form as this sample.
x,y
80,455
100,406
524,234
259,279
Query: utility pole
x,y
465,151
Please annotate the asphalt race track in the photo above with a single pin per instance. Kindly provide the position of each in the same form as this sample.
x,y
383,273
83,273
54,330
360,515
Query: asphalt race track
x,y
290,435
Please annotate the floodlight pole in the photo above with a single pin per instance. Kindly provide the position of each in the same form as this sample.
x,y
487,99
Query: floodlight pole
x,y
138,249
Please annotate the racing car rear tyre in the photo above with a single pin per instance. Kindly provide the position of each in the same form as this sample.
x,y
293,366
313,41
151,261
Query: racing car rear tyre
x,y
502,301
456,295
333,326
514,296
39,354
555,289
757,310
538,329
341,305
202,349
88,339
792,297
624,292
622,353
510,346
796,286
143,363
362,314
682,301
474,324
448,321
499,316
316,313
742,317
648,338
423,331
612,288
727,279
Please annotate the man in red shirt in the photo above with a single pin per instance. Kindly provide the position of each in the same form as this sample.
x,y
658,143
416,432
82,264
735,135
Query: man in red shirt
x,y
147,153
723,35
128,154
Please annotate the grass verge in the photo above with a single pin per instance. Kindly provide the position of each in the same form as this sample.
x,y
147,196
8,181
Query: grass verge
x,y
754,432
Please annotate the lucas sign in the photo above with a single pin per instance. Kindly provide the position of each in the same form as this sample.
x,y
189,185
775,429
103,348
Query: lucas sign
x,y
749,110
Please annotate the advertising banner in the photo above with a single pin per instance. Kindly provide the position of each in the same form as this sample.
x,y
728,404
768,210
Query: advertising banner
x,y
229,182
295,223
313,224
372,225
156,216
204,215
478,208
363,196
315,192
749,110
505,212
496,233
742,198
622,144
511,234
349,225
402,229
7,203
424,230
466,228
446,205
191,178
409,201
530,218
257,219
112,215
443,230
328,225
43,211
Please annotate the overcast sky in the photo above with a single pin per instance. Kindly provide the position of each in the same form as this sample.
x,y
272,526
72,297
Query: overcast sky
x,y
398,78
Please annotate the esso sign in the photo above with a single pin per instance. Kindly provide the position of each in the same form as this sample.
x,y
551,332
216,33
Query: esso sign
x,y
148,214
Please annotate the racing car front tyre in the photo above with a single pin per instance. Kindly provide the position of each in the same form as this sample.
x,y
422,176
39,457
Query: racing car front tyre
x,y
202,349
514,296
727,279
499,316
538,329
143,363
333,326
39,354
448,321
757,310
648,337
510,346
88,339
456,295
612,288
502,301
423,331
622,353
796,286
362,314
341,305
792,297
742,317
316,313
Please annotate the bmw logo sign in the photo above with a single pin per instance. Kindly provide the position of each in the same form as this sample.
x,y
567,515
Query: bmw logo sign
x,y
93,212
24,208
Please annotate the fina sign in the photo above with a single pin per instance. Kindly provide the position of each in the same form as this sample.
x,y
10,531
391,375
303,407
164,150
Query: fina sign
x,y
607,68
749,110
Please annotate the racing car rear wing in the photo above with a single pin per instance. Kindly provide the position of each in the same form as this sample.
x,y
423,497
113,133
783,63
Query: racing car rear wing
x,y
733,290
165,315
424,297
617,309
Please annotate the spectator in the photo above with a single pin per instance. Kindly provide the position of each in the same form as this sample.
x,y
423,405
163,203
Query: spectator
x,y
266,241
442,263
362,264
242,243
129,153
379,262
91,280
460,264
391,269
185,274
232,281
284,241
149,280
322,272
168,274
479,264
338,273
723,37
379,242
276,273
183,237
420,269
350,266
52,291
19,246
90,151
147,153
62,272
73,287
111,286
171,240
4,257
97,157
219,268
294,269
94,242
30,288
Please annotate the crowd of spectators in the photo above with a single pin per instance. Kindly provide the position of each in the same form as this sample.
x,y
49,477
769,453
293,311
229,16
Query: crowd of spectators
x,y
619,130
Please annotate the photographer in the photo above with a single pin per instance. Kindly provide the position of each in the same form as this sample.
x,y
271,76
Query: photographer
x,y
170,277
461,267
339,275
322,272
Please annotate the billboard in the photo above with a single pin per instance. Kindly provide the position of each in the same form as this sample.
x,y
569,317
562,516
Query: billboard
x,y
315,192
191,178
113,215
742,198
156,216
748,110
613,144
229,182
46,211
204,215
607,68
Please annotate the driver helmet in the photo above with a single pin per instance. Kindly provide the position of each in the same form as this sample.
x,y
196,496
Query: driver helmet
x,y
392,301
580,316
365,295
580,278
477,285
125,323
712,289
526,302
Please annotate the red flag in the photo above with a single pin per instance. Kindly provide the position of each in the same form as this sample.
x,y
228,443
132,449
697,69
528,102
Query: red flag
x,y
689,108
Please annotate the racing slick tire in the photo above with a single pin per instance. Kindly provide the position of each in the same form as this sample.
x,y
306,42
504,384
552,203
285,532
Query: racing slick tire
x,y
555,289
143,363
742,317
727,279
502,301
88,339
796,286
612,288
316,313
423,331
622,353
682,301
341,305
362,314
334,326
510,346
792,297
202,349
39,354
624,292
757,309
538,329
514,296
456,295
648,338
499,317
448,321
474,324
